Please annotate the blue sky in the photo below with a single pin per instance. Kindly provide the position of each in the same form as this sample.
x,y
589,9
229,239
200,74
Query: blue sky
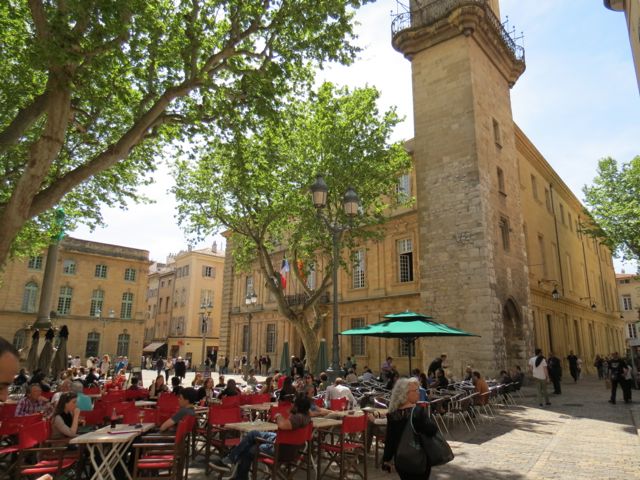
x,y
577,101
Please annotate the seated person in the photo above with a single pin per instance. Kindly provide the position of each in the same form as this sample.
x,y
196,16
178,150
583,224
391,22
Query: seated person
x,y
351,377
66,418
339,390
33,402
158,387
468,374
64,387
91,378
221,383
21,378
367,375
134,384
231,390
83,402
481,387
314,409
206,391
176,388
505,378
187,398
251,378
39,378
240,458
441,380
288,391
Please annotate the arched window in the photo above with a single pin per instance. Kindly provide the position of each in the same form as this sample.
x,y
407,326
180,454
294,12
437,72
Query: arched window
x,y
19,339
93,345
123,345
30,297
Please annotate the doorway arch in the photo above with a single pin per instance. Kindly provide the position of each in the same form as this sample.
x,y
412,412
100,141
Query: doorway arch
x,y
514,342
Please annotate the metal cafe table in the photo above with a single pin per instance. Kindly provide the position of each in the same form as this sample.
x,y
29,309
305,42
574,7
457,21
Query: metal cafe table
x,y
108,445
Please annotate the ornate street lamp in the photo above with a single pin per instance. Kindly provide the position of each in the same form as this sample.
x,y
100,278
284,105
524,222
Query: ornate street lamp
x,y
351,207
205,314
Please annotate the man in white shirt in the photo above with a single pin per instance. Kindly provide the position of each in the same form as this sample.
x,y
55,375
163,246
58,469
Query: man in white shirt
x,y
540,372
338,390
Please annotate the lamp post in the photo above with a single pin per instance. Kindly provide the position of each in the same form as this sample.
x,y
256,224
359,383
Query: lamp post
x,y
98,314
205,313
350,206
250,301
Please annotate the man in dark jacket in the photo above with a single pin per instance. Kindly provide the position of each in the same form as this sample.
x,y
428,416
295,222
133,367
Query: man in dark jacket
x,y
617,369
573,365
555,372
180,368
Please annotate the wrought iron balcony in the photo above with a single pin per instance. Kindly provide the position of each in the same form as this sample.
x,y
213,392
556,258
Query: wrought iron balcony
x,y
436,10
300,298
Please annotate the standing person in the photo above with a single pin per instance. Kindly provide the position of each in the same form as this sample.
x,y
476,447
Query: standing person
x,y
168,366
226,365
598,363
437,364
159,366
8,367
404,397
386,369
268,365
573,365
555,372
539,370
617,368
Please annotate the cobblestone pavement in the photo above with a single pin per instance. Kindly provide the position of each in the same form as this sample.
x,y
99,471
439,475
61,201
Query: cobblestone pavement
x,y
580,436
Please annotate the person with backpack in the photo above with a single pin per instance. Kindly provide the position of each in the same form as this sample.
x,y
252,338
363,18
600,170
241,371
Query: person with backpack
x,y
540,372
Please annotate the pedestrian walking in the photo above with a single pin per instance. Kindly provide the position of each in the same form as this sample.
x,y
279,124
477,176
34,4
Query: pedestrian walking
x,y
573,366
159,366
540,372
168,366
617,371
555,372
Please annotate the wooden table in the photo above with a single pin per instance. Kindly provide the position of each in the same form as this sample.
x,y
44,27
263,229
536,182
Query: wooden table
x,y
108,446
246,427
324,422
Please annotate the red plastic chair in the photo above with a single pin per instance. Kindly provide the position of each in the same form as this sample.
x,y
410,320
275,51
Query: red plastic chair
x,y
338,404
346,451
12,426
216,435
319,402
153,459
48,395
9,431
53,460
260,398
233,401
91,391
285,463
140,394
167,406
284,410
8,410
246,399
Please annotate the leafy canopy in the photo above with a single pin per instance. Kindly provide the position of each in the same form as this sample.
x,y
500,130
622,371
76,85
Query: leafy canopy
x,y
614,204
256,183
93,91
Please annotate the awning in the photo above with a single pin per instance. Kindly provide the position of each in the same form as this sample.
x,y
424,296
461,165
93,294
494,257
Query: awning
x,y
152,347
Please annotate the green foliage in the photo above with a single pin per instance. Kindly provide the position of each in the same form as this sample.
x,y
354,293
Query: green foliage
x,y
136,76
614,204
256,182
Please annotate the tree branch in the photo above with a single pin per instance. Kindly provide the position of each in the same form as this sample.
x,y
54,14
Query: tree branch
x,y
24,119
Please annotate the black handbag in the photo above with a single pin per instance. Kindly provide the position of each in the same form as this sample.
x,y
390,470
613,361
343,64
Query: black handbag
x,y
410,457
438,451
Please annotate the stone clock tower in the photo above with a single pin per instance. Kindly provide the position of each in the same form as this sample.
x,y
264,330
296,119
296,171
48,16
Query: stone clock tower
x,y
473,263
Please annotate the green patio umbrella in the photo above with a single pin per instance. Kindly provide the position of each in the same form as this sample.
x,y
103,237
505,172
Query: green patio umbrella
x,y
284,359
408,326
323,360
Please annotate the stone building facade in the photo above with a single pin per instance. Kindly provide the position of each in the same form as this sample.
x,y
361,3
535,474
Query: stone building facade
x,y
98,292
494,240
184,305
629,298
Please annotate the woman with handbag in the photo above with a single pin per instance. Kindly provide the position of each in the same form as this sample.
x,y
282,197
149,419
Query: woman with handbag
x,y
404,416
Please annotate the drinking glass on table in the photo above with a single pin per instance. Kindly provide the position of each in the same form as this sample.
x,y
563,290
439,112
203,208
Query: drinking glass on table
x,y
140,418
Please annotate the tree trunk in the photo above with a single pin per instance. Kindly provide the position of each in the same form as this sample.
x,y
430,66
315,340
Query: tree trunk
x,y
311,344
